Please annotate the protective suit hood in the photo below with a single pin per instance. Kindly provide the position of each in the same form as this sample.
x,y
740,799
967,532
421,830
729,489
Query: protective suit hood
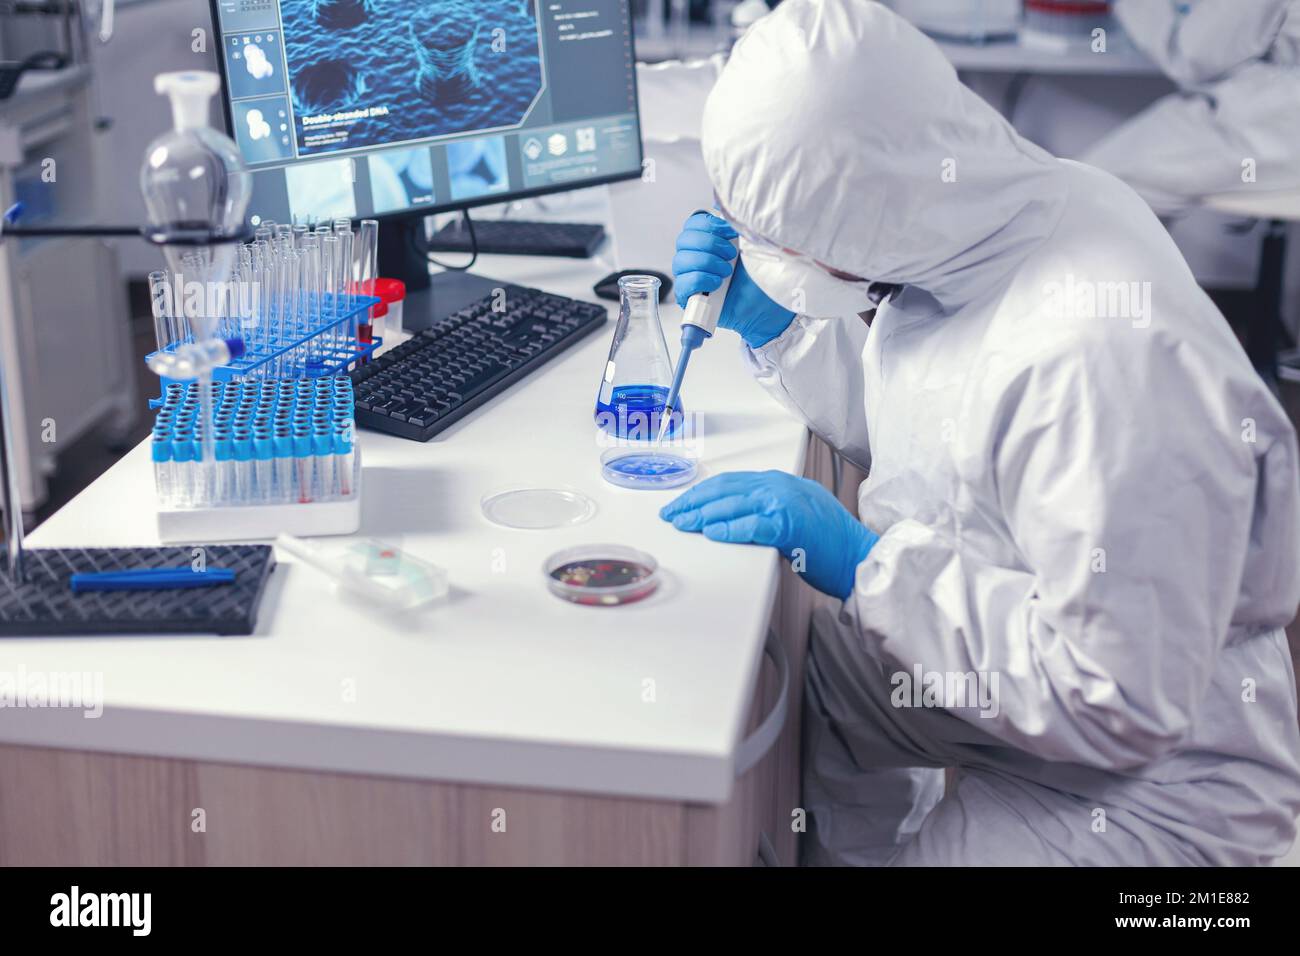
x,y
841,132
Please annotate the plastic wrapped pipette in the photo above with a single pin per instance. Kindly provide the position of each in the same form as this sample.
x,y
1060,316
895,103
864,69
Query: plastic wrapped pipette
x,y
374,571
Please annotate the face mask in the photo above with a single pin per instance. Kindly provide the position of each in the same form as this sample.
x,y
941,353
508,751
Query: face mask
x,y
800,285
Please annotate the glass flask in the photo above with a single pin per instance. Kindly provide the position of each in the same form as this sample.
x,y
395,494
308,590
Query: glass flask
x,y
193,179
638,373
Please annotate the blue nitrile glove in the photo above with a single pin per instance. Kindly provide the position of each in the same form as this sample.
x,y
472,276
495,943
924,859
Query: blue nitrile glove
x,y
704,258
798,517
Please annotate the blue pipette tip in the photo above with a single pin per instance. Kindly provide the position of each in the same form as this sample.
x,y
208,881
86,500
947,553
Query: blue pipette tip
x,y
692,338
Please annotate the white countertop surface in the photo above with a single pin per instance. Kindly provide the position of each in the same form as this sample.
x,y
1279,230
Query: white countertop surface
x,y
503,683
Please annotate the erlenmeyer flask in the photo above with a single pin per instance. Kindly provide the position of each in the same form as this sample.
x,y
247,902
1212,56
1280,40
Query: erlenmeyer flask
x,y
638,373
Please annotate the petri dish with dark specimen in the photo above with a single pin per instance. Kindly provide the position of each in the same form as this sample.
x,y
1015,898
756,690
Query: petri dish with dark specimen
x,y
648,468
601,575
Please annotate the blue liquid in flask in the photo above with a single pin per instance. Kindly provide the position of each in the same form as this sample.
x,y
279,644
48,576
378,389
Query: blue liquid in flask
x,y
634,411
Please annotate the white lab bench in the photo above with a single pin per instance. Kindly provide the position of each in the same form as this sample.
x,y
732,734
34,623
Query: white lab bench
x,y
337,733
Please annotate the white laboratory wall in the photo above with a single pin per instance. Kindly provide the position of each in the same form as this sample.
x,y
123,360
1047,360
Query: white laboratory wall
x,y
151,37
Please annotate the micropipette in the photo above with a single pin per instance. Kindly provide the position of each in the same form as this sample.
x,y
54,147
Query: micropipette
x,y
699,319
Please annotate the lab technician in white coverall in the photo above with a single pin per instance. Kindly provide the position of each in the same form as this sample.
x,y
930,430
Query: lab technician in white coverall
x,y
1234,123
1082,511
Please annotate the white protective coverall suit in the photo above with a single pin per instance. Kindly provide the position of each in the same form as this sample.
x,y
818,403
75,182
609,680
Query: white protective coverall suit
x,y
1235,122
1084,492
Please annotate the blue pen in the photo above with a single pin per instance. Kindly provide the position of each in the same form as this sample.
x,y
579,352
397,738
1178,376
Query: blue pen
x,y
150,579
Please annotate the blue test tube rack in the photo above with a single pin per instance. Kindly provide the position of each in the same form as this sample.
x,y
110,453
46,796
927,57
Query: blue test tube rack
x,y
285,459
316,348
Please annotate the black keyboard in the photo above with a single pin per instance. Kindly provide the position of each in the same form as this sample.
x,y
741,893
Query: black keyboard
x,y
512,237
443,373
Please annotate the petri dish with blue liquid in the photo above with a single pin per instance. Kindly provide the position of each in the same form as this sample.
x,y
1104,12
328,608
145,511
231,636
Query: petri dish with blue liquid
x,y
648,467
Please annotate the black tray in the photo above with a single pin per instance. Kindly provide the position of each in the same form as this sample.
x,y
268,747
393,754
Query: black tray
x,y
44,604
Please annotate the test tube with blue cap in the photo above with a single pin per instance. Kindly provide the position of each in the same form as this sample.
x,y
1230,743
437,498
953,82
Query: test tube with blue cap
x,y
274,442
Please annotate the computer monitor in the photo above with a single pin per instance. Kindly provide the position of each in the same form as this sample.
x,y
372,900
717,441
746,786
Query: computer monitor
x,y
397,109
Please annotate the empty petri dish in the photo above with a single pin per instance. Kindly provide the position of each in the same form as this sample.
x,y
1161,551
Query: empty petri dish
x,y
534,509
649,468
601,575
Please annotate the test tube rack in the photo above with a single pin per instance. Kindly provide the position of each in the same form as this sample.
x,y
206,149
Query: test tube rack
x,y
285,461
318,348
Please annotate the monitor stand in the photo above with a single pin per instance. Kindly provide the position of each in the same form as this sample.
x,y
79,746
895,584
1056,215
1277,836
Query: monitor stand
x,y
428,298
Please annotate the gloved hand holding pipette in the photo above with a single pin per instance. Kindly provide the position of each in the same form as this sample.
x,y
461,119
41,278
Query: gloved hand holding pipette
x,y
706,256
707,266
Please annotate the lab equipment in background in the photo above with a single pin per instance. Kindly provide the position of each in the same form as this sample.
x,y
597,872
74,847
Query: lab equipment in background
x,y
476,352
1062,25
699,321
48,128
164,327
49,36
517,237
650,469
44,604
601,575
374,570
193,178
537,509
190,359
964,21
367,258
393,294
635,400
285,460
